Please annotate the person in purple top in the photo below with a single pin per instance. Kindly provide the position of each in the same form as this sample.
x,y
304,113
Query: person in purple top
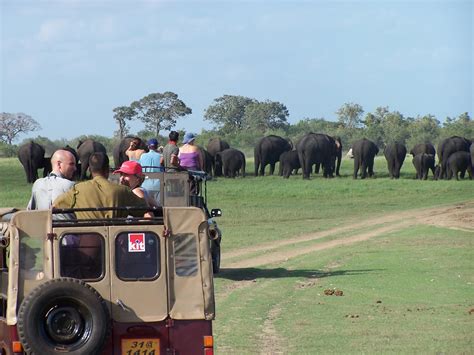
x,y
189,156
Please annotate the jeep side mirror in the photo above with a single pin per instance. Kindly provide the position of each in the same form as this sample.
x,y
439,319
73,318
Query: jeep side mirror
x,y
216,212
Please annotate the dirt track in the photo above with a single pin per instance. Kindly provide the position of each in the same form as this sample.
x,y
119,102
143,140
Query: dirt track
x,y
458,216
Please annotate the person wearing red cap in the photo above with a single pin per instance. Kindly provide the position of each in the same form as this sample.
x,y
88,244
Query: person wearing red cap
x,y
131,175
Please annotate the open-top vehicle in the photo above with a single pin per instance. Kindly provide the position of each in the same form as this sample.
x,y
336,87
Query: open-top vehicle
x,y
125,286
185,189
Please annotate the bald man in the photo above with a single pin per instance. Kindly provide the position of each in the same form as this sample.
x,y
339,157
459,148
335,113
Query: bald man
x,y
47,189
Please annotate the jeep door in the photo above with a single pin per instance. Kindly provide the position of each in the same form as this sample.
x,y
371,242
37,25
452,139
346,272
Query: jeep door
x,y
138,280
191,287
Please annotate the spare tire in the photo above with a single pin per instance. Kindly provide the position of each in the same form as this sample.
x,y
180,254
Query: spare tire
x,y
63,315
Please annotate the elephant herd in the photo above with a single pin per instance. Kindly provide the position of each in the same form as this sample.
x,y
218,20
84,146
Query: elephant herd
x,y
315,149
310,153
455,156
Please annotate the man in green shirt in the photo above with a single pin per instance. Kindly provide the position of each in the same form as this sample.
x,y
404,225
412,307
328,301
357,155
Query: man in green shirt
x,y
100,192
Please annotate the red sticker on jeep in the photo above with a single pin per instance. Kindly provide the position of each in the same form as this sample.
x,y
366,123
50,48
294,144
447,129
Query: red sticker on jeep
x,y
136,242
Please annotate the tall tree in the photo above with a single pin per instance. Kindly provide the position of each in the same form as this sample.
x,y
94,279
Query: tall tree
x,y
228,112
122,114
373,128
423,129
462,126
160,110
263,116
349,115
316,125
13,124
395,128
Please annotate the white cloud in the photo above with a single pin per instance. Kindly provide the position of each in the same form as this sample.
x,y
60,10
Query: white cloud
x,y
52,30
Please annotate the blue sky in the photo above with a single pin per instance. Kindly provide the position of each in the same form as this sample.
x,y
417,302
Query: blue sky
x,y
68,63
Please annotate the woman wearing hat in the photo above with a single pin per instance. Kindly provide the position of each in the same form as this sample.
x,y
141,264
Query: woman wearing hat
x,y
131,175
189,155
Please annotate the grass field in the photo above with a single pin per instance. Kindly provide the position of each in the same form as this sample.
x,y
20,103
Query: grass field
x,y
406,289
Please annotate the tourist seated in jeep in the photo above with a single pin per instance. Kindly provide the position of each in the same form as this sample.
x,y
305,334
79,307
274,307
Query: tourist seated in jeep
x,y
131,175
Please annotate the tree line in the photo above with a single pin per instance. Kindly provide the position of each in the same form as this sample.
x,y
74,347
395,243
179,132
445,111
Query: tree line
x,y
243,120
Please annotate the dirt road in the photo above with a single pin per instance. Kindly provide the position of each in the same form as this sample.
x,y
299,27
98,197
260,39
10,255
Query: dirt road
x,y
458,216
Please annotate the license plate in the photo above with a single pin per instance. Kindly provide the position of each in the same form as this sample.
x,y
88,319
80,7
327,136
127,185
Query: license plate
x,y
142,346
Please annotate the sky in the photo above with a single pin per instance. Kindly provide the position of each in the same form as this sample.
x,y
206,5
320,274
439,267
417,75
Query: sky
x,y
69,63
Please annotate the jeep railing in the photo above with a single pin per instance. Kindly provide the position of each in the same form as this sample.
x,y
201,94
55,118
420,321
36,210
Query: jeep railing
x,y
156,211
175,189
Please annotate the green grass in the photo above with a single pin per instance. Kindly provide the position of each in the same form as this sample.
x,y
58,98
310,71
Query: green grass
x,y
263,208
14,190
406,292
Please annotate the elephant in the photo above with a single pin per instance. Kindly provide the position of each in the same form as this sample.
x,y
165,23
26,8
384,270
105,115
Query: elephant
x,y
84,151
427,148
289,161
364,152
207,159
472,156
423,163
31,156
338,157
120,149
267,151
447,147
458,163
395,154
214,146
229,162
338,154
316,148
437,170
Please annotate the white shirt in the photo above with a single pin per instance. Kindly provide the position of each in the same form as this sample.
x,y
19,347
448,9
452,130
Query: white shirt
x,y
47,189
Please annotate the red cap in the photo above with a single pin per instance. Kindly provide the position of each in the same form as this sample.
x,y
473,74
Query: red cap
x,y
130,167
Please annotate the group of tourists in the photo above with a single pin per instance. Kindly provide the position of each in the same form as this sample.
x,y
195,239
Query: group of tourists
x,y
57,190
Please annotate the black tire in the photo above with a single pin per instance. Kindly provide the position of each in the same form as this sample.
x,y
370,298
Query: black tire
x,y
63,315
216,256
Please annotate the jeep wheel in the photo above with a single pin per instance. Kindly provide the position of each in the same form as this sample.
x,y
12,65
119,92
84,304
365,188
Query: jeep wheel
x,y
216,257
63,315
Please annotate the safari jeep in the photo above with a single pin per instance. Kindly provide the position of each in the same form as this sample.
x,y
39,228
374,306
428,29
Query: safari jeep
x,y
124,286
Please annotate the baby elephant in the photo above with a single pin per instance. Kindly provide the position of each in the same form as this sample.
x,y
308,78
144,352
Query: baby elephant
x,y
289,161
231,161
458,163
423,163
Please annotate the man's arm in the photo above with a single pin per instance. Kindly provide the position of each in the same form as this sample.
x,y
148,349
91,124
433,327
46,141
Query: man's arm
x,y
65,200
32,205
131,200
